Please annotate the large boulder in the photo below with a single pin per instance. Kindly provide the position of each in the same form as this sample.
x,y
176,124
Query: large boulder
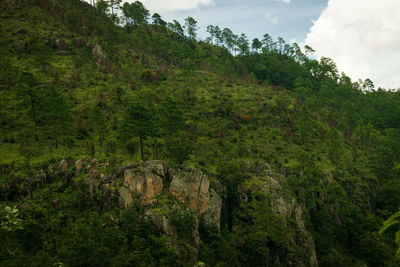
x,y
63,166
78,166
98,55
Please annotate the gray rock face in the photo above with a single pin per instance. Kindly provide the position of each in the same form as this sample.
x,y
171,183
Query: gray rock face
x,y
192,187
160,219
98,55
284,205
78,166
125,197
212,215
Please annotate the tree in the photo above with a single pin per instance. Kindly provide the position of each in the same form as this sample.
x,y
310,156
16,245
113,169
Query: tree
x,y
28,92
9,219
256,45
228,38
298,54
135,14
393,220
309,51
102,6
72,19
218,35
191,27
211,31
99,120
281,44
138,121
176,27
57,115
157,20
171,116
267,42
43,56
368,85
243,44
114,5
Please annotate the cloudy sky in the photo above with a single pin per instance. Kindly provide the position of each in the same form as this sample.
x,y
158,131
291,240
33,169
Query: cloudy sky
x,y
361,36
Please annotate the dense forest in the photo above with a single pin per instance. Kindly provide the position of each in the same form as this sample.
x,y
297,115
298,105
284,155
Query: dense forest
x,y
127,141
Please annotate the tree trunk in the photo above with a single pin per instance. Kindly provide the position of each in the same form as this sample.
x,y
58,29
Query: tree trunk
x,y
44,77
55,135
141,147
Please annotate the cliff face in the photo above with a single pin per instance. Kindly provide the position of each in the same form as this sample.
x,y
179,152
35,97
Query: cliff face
x,y
266,191
178,200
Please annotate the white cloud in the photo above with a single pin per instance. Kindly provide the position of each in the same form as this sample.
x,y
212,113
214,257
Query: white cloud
x,y
284,1
271,19
173,5
362,37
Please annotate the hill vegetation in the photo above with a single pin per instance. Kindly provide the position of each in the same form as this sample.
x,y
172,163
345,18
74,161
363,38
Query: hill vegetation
x,y
79,82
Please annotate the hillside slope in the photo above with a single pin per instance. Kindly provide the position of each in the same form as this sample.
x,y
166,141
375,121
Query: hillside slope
x,y
302,162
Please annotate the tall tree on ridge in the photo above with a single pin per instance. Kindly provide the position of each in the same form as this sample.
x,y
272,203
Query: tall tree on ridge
x,y
191,27
256,45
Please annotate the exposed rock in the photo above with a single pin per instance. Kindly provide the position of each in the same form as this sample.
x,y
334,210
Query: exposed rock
x,y
50,171
212,215
161,221
106,191
157,167
78,166
288,210
95,174
123,168
63,167
94,163
125,197
144,182
191,186
61,44
41,176
79,42
98,55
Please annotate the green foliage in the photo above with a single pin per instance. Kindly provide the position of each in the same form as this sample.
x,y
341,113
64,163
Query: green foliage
x,y
393,220
138,121
9,219
191,27
183,221
159,91
135,14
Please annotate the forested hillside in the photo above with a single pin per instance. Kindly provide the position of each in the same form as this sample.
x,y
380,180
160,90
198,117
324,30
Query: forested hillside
x,y
127,141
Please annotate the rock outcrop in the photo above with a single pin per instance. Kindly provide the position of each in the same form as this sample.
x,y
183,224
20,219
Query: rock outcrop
x,y
98,55
168,195
192,187
63,166
143,182
286,207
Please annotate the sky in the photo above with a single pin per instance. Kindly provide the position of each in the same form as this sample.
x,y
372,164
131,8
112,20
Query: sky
x,y
361,36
